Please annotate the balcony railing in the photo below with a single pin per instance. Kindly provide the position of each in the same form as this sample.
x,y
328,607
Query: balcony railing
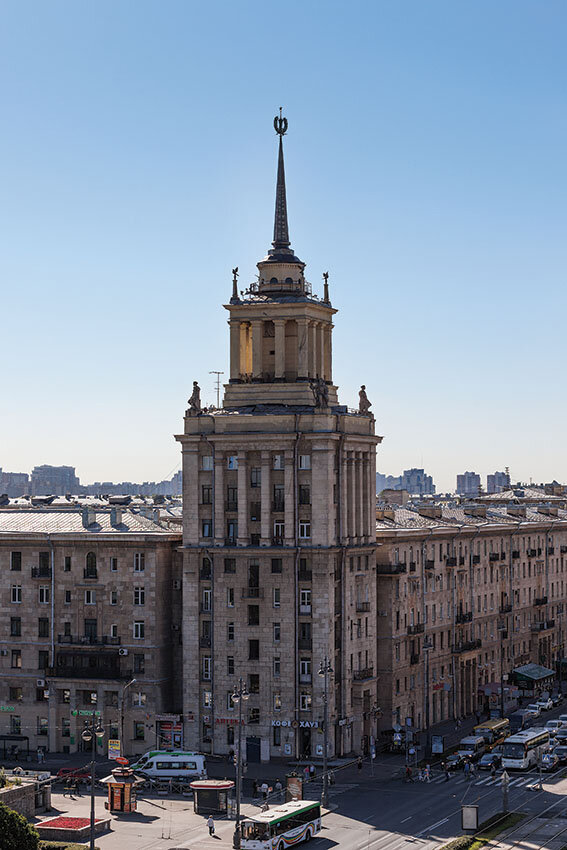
x,y
361,675
515,553
41,572
390,569
412,566
476,559
252,593
87,640
467,645
414,658
461,560
429,565
416,629
305,609
494,556
463,617
278,506
69,672
230,541
540,600
563,550
542,626
531,553
305,575
232,506
304,643
551,550
361,607
277,541
506,609
450,562
88,572
205,641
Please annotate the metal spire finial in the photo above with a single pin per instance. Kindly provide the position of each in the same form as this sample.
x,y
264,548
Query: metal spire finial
x,y
281,232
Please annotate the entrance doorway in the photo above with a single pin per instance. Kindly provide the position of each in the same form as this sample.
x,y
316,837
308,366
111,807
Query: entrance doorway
x,y
304,743
252,749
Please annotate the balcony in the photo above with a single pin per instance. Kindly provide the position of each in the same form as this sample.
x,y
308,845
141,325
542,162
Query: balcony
x,y
463,617
414,658
506,609
304,643
551,550
277,541
88,640
231,506
205,573
461,560
531,553
230,541
305,678
41,572
467,646
390,569
416,629
67,671
450,562
542,626
515,554
429,565
563,550
540,600
305,575
476,559
89,573
362,607
278,506
205,641
494,556
412,566
252,593
305,609
361,675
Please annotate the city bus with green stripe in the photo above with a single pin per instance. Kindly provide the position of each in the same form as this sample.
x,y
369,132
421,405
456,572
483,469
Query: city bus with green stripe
x,y
281,827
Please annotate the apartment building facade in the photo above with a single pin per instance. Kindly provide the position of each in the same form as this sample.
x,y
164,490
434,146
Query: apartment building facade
x,y
87,605
278,530
464,596
468,484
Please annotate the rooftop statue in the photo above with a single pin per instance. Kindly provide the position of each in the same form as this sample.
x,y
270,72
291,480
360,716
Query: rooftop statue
x,y
363,404
195,401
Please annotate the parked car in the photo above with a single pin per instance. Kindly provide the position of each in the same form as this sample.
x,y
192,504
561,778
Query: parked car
x,y
455,761
561,753
545,703
553,727
563,717
78,774
488,760
561,736
549,761
534,709
557,698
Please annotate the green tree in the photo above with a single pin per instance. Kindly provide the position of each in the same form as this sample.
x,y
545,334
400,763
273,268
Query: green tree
x,y
15,832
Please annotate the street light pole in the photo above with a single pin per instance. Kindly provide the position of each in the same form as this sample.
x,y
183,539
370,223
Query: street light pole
x,y
90,735
239,694
324,670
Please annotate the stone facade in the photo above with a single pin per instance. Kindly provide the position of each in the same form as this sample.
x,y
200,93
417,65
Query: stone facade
x,y
464,596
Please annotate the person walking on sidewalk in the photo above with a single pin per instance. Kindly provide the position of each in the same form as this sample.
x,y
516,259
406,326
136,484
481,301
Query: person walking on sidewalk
x,y
446,770
428,773
359,763
211,825
409,777
279,788
467,769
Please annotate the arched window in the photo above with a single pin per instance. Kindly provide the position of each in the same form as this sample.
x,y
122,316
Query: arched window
x,y
289,281
273,280
91,565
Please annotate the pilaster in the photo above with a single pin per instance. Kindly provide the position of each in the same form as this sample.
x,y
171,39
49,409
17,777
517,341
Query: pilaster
x,y
279,340
289,495
242,499
265,533
219,498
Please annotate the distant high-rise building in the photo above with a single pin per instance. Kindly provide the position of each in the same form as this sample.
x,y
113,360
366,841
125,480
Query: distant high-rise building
x,y
54,480
14,483
498,482
417,482
468,484
387,482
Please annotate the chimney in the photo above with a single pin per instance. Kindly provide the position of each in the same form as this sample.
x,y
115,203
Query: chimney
x,y
89,517
516,510
430,511
115,517
385,513
475,510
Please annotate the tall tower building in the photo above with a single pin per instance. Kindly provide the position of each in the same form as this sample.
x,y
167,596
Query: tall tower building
x,y
279,529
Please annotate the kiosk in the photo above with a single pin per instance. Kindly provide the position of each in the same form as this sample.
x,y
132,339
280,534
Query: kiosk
x,y
210,796
122,784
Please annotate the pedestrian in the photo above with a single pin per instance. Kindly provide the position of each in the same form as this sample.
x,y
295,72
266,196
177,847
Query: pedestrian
x,y
446,771
359,763
420,775
264,790
409,777
306,772
493,770
428,773
279,789
473,770
211,825
331,777
255,788
312,771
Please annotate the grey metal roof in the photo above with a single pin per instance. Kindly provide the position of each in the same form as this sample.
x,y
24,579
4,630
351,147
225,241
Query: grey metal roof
x,y
50,521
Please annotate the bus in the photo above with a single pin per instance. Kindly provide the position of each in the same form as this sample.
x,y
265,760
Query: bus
x,y
493,731
288,824
523,750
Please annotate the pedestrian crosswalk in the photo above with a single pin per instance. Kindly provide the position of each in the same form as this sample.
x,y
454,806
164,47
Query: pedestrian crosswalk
x,y
459,779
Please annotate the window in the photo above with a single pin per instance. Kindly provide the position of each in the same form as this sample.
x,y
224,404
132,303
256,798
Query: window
x,y
206,494
206,599
207,699
305,670
207,463
229,735
90,565
277,665
305,461
138,700
16,659
42,659
304,530
67,597
304,701
207,528
139,562
114,565
139,731
15,626
43,627
253,715
278,461
16,561
139,595
276,565
230,665
277,702
278,530
232,462
16,593
67,564
279,497
230,597
230,565
305,601
255,511
255,476
253,650
254,683
277,632
90,597
253,615
207,667
113,597
276,597
277,736
40,695
65,727
304,494
139,663
139,630
230,632
44,594
229,701
16,695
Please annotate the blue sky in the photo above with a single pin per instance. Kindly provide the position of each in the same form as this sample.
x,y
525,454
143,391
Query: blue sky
x,y
425,163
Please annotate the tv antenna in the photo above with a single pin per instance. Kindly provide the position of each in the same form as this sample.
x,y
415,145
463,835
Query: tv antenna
x,y
217,384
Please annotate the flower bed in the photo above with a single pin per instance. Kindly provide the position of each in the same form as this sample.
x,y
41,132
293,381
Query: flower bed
x,y
64,828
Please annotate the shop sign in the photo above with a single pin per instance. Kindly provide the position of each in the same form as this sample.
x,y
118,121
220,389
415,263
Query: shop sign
x,y
168,718
190,717
297,724
230,721
346,721
7,708
85,713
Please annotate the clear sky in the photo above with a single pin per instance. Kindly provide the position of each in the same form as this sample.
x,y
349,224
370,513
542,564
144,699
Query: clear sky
x,y
425,164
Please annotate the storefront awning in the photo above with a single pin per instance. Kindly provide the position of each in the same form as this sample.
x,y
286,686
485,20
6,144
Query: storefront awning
x,y
533,672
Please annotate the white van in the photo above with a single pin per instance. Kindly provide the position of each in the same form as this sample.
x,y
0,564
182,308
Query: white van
x,y
171,765
472,747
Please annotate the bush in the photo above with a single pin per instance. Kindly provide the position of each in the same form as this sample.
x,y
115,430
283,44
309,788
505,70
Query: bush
x,y
15,832
62,845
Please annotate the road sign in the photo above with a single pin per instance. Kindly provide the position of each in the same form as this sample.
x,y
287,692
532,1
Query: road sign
x,y
373,752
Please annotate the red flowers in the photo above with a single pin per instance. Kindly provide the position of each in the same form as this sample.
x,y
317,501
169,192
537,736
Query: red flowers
x,y
67,823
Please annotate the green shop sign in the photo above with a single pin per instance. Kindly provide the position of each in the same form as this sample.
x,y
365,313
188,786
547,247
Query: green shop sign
x,y
84,713
7,708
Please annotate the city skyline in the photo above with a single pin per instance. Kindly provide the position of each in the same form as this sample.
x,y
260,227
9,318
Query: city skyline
x,y
429,184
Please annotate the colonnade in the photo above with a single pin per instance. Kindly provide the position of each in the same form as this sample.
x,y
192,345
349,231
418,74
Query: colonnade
x,y
302,349
357,502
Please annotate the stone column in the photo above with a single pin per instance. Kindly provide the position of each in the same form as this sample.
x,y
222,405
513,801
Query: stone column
x,y
302,348
351,525
289,495
313,349
245,349
257,370
279,326
329,352
219,498
359,498
321,350
52,717
235,369
343,496
372,495
191,529
265,531
242,500
365,495
74,725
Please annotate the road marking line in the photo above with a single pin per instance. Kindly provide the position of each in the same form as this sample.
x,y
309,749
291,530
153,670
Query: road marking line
x,y
433,826
405,819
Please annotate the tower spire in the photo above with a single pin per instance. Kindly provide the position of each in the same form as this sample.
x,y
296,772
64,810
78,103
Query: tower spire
x,y
281,230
